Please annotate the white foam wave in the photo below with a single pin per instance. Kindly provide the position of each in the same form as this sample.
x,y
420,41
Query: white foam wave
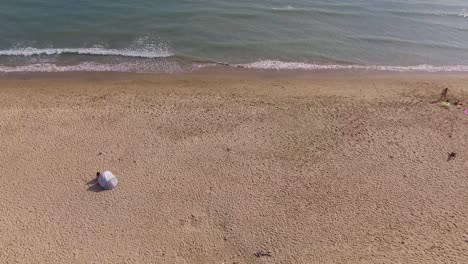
x,y
464,13
280,65
171,67
96,51
284,8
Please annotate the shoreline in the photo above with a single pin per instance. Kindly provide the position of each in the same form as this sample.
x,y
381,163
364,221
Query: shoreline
x,y
195,66
237,71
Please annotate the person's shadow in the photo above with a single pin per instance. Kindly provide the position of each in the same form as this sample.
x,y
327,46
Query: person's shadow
x,y
94,186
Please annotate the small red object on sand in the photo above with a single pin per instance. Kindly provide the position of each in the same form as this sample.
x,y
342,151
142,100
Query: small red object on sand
x,y
465,111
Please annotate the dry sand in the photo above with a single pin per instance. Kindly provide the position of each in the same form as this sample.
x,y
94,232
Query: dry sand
x,y
214,167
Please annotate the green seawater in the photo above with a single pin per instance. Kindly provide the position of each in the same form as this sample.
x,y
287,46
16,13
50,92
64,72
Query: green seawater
x,y
183,35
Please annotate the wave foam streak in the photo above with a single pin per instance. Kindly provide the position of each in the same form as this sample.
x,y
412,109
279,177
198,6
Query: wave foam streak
x,y
280,65
95,51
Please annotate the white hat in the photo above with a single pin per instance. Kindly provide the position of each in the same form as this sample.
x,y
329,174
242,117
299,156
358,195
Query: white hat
x,y
107,180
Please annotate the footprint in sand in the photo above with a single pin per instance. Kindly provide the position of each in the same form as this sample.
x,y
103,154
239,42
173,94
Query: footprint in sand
x,y
194,222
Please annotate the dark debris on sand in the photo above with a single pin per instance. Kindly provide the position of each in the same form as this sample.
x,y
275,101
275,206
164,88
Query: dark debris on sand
x,y
263,253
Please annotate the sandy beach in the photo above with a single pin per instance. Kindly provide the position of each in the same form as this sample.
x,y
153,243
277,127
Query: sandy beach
x,y
233,167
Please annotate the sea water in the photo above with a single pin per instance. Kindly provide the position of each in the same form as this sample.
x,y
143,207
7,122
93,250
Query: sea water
x,y
185,35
